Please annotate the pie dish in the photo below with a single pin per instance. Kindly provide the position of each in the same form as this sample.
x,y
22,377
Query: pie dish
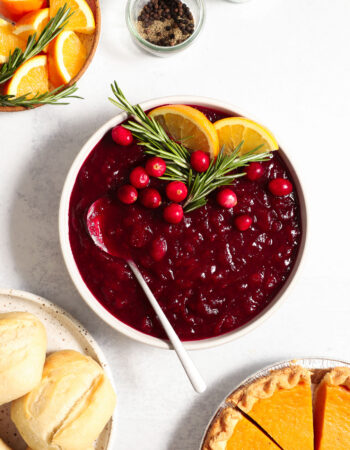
x,y
113,308
292,407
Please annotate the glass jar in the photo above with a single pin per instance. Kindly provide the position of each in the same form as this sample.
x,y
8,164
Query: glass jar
x,y
133,9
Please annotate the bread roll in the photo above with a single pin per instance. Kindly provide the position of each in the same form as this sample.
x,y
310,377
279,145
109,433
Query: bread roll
x,y
70,407
3,446
22,354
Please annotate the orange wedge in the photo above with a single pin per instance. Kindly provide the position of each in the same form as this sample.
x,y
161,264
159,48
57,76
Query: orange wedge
x,y
233,130
82,20
31,23
8,41
67,56
188,126
17,8
30,78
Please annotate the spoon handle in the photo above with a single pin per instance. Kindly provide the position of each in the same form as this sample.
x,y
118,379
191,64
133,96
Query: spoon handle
x,y
190,369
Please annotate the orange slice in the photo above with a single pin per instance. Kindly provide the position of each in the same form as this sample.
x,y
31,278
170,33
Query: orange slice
x,y
30,78
233,130
67,56
188,126
17,8
31,23
82,20
8,41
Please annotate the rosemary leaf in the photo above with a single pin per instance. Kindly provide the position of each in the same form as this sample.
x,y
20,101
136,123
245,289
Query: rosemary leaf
x,y
52,98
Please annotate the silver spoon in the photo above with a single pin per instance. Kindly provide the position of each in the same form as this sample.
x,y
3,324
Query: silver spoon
x,y
95,225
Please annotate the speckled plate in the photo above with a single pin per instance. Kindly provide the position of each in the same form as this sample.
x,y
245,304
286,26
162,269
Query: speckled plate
x,y
317,365
63,332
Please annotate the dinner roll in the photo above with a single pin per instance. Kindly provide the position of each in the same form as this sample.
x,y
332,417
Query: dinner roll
x,y
22,354
69,408
3,446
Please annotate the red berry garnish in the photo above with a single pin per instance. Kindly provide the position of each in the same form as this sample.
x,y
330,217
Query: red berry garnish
x,y
280,187
255,170
200,161
155,167
226,198
243,222
159,248
176,191
173,213
139,178
150,198
121,135
127,194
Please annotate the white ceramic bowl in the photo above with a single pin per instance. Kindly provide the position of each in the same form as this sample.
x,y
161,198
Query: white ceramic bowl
x,y
73,270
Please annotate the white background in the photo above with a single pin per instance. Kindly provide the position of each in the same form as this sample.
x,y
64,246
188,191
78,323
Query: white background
x,y
285,61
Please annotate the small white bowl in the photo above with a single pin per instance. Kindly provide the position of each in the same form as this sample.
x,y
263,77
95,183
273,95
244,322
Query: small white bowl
x,y
73,270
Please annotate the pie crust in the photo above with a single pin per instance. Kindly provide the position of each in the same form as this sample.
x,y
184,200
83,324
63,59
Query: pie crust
x,y
245,397
339,376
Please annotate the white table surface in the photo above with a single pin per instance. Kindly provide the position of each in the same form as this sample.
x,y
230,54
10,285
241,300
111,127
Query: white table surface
x,y
285,61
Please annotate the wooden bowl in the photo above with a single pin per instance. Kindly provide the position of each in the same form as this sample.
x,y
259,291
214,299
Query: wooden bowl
x,y
91,42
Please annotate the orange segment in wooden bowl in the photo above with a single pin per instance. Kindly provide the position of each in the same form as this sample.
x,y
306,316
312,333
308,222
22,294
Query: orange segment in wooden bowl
x,y
15,9
67,55
31,23
31,78
82,20
8,41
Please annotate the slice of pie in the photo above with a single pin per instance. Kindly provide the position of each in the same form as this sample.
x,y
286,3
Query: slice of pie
x,y
332,411
232,431
281,403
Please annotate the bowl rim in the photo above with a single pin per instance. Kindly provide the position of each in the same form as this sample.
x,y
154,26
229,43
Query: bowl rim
x,y
87,63
154,48
87,295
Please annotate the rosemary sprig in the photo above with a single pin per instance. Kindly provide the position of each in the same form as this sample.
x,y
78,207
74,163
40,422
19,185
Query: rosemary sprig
x,y
221,172
52,98
152,136
34,45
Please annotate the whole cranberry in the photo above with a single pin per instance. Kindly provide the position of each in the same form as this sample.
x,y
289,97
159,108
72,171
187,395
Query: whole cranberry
x,y
255,170
127,194
280,187
122,136
226,198
159,248
243,222
173,213
150,198
176,191
139,178
155,167
200,161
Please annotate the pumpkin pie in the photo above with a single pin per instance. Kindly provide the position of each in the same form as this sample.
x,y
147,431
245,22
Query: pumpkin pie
x,y
332,410
280,404
286,395
232,431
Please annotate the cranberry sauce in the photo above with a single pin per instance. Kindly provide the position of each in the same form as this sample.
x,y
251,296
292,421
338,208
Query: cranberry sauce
x,y
213,277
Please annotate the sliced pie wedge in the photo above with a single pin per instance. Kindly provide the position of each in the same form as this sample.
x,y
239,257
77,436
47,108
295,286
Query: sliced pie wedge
x,y
332,411
281,404
232,431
